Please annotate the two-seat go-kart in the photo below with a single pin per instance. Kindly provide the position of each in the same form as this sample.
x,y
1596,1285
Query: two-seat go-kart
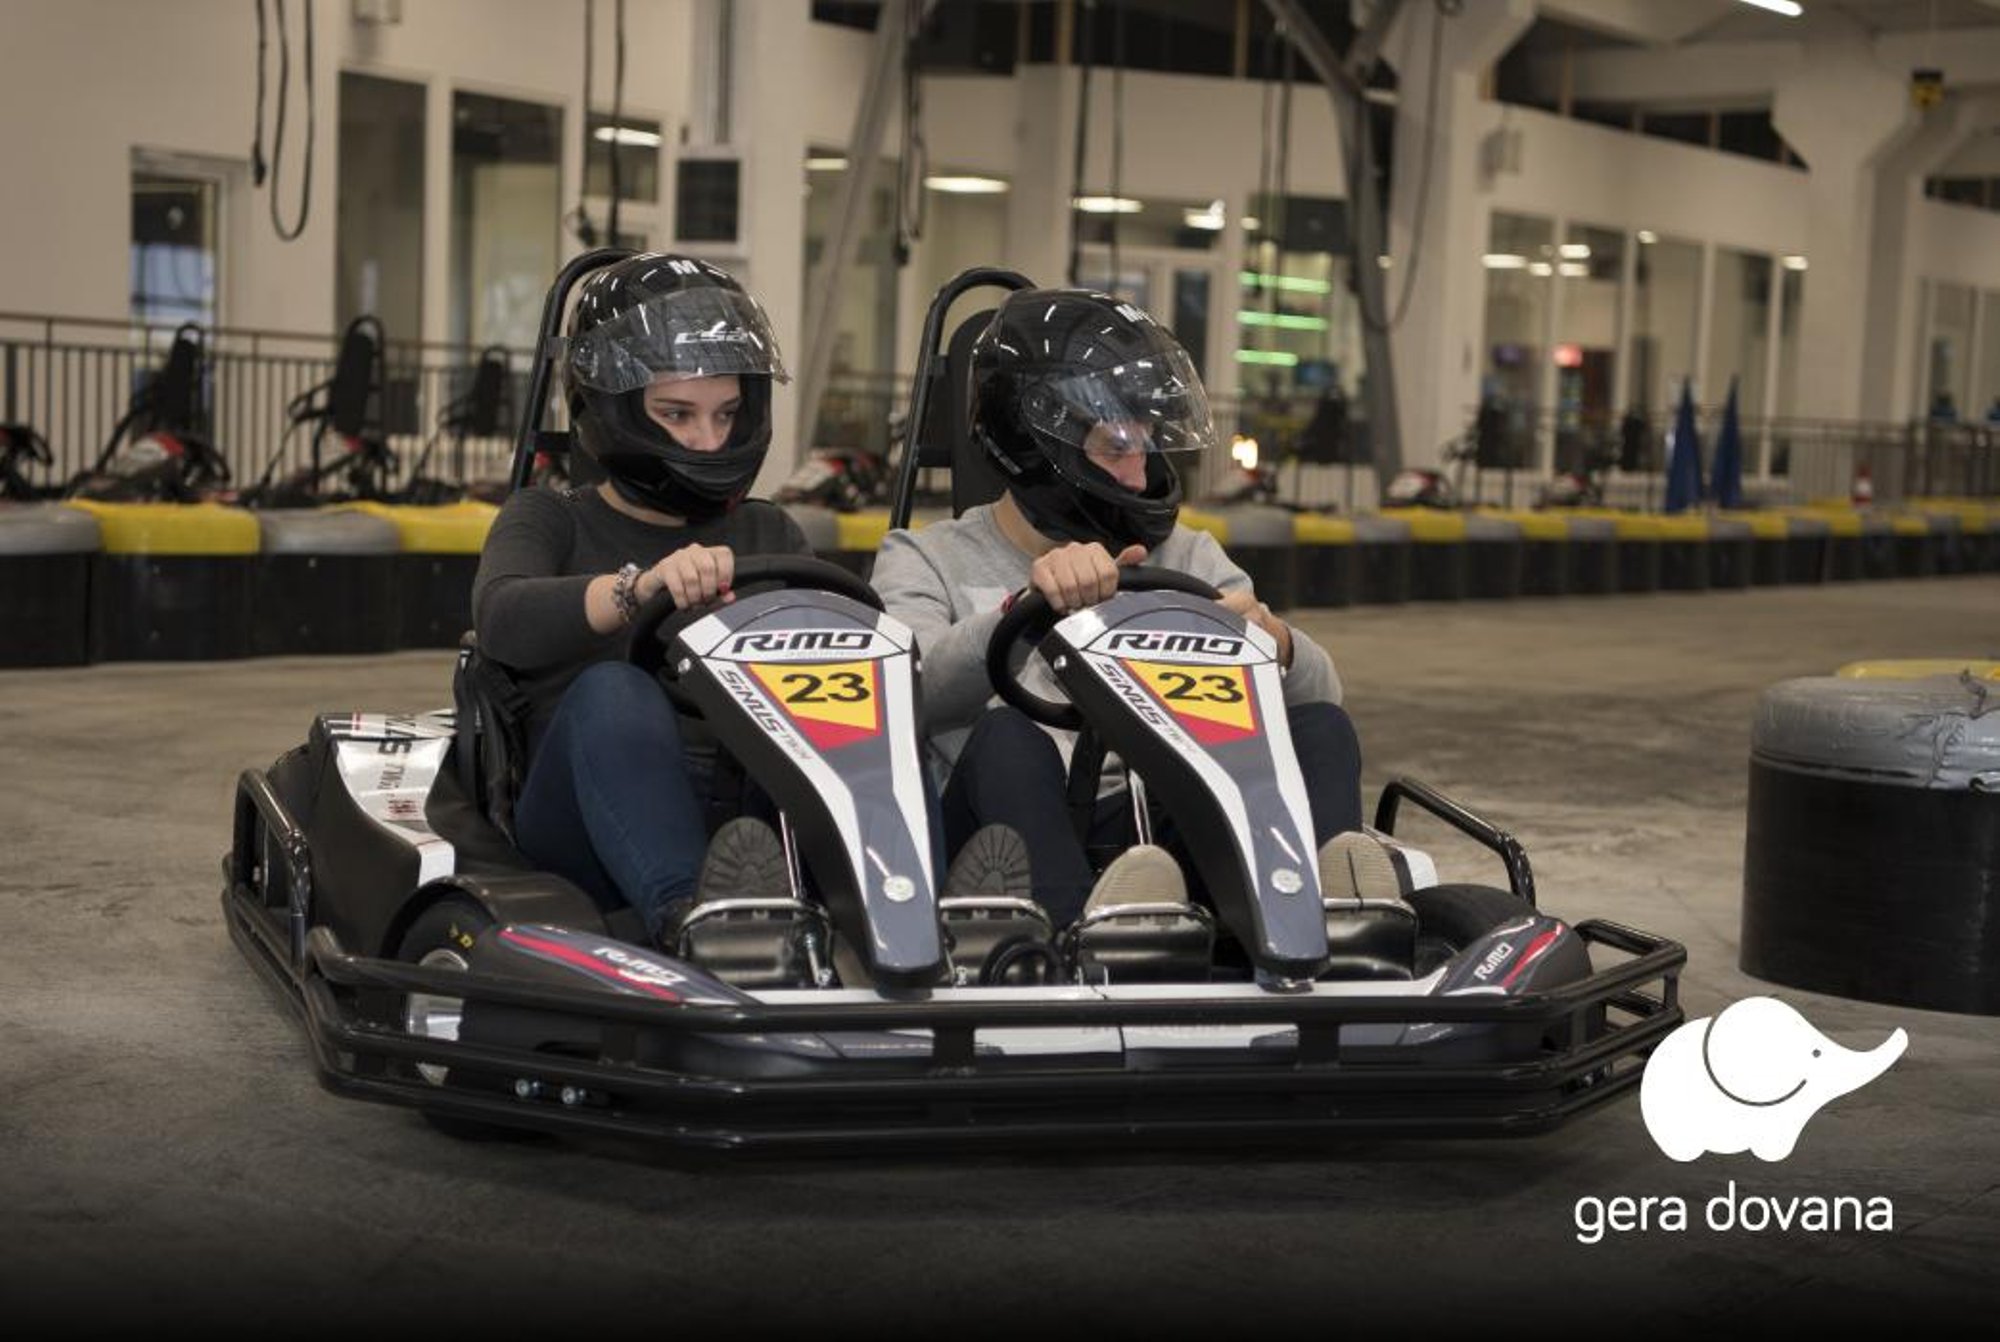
x,y
371,876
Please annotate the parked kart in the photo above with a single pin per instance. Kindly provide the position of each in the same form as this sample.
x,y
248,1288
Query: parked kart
x,y
372,878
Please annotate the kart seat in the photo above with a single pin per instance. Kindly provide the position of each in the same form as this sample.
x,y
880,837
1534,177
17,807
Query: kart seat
x,y
490,749
1370,939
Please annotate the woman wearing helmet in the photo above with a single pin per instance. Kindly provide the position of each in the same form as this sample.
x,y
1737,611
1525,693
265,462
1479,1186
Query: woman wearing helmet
x,y
668,367
1082,402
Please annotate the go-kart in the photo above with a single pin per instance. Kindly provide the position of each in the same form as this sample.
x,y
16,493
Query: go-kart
x,y
372,877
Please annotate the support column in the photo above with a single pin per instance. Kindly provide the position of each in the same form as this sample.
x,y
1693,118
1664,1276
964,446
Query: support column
x,y
1436,344
1846,114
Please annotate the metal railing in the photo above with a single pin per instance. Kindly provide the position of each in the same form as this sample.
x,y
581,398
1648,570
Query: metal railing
x,y
73,380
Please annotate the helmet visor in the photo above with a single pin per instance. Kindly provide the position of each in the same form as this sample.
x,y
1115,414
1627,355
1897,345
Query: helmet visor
x,y
1150,403
705,331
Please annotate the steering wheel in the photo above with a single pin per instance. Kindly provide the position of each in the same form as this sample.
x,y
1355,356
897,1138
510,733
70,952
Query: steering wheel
x,y
659,622
1032,617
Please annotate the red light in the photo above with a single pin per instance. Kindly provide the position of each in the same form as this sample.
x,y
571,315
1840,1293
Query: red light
x,y
1569,356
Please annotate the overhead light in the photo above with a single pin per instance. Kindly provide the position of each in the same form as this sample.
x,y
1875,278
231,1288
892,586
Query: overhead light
x,y
1540,268
1252,222
1795,262
1503,260
1385,261
1647,237
966,186
826,163
1574,270
650,139
1574,251
1108,204
1789,8
1211,217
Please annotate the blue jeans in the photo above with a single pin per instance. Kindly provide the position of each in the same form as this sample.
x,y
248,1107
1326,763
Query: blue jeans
x,y
1011,773
611,801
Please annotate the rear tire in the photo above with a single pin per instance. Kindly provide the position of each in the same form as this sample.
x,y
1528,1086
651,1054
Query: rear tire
x,y
1452,917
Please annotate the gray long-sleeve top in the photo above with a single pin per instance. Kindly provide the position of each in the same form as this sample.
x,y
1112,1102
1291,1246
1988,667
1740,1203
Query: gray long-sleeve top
x,y
947,580
542,552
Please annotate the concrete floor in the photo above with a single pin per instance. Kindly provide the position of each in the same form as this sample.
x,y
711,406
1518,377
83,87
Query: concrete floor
x,y
166,1158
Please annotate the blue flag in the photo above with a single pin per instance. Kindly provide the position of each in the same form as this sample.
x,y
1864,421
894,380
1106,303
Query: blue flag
x,y
1683,457
1725,478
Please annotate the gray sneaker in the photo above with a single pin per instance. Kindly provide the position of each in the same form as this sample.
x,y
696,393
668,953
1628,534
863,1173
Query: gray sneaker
x,y
1143,874
1360,864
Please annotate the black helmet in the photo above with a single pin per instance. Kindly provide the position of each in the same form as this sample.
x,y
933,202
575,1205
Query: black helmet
x,y
654,314
1052,365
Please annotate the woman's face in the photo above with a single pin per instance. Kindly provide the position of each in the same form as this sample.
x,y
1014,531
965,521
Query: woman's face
x,y
696,412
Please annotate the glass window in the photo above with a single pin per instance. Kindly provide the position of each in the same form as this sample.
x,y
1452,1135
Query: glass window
x,y
636,144
173,249
1947,358
505,210
1987,396
1738,331
1666,304
379,232
861,382
1298,330
1590,270
1520,262
1791,305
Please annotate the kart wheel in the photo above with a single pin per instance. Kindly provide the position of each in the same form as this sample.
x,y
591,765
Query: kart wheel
x,y
442,937
1451,917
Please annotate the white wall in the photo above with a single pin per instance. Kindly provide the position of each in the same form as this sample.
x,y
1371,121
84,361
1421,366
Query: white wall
x,y
83,83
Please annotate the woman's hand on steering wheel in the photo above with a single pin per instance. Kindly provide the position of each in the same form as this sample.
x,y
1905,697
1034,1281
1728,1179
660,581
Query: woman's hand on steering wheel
x,y
694,575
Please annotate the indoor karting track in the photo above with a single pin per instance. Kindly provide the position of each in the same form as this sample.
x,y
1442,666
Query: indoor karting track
x,y
169,1159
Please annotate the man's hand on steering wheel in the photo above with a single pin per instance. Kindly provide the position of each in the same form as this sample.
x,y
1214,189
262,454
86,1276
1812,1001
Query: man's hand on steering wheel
x,y
1081,573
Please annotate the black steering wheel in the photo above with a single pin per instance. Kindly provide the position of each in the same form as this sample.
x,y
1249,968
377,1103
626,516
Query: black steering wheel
x,y
1023,627
659,622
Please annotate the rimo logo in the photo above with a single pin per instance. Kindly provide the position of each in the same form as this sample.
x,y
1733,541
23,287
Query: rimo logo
x,y
804,640
1147,641
1745,1079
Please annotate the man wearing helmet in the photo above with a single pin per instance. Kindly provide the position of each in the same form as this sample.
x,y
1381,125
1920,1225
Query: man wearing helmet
x,y
1082,402
668,367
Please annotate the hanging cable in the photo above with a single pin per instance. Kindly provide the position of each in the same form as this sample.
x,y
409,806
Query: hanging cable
x,y
257,169
1117,136
617,116
586,232
913,160
1082,142
257,143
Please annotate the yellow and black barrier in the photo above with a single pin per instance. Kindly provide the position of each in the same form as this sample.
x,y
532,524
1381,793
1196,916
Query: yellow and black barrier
x,y
326,582
172,582
437,558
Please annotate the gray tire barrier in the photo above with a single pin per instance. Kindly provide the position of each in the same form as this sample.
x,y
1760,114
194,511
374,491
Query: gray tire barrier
x,y
1872,845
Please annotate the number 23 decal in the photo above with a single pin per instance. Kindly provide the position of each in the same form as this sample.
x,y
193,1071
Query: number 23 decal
x,y
838,687
1214,689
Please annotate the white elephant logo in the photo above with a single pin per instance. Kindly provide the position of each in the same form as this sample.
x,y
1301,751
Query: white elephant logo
x,y
1748,1079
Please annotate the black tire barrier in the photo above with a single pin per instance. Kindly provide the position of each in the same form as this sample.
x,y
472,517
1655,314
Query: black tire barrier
x,y
1872,844
46,555
326,583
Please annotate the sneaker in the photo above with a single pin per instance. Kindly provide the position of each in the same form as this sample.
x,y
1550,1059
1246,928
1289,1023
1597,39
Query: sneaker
x,y
1361,864
745,860
1145,874
993,863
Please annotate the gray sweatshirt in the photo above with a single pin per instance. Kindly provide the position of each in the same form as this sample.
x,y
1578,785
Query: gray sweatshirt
x,y
947,580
